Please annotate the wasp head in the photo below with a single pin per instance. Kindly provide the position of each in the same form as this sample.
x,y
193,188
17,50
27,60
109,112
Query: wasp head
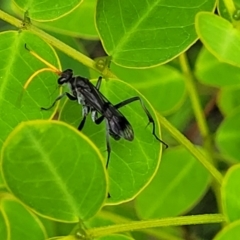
x,y
65,77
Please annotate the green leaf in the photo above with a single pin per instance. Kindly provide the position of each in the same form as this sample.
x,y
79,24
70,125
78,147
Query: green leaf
x,y
2,185
228,99
223,9
165,82
209,70
132,164
147,33
68,62
230,193
180,118
17,65
231,231
227,136
57,171
3,226
46,10
220,37
79,23
115,237
180,177
16,222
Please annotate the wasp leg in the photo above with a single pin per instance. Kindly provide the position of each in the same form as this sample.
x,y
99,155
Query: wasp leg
x,y
85,112
108,144
99,120
59,98
150,118
81,125
98,85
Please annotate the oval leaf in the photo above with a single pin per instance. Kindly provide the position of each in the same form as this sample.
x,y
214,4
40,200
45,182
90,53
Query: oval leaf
x,y
132,164
143,34
228,99
17,65
54,170
231,193
180,177
220,37
231,231
15,214
69,24
46,10
210,71
227,137
165,82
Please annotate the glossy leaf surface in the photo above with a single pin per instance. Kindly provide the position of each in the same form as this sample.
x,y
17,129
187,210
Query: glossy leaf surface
x,y
57,171
227,137
163,86
132,164
210,71
17,104
143,34
230,194
46,10
78,23
173,190
231,231
17,222
220,37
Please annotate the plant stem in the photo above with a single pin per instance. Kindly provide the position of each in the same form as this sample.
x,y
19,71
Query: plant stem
x,y
230,6
90,63
155,233
139,225
202,125
191,148
199,113
10,19
56,43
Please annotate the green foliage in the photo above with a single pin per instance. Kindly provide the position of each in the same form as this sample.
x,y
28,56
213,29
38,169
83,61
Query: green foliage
x,y
136,173
231,231
9,207
40,11
229,193
216,32
154,35
227,138
53,180
61,183
187,172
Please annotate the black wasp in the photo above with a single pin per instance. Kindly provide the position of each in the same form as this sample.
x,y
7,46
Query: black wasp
x,y
94,102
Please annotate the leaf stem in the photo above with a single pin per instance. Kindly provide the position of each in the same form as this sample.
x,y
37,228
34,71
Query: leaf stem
x,y
207,159
153,232
230,6
56,43
139,225
199,113
90,63
191,148
10,19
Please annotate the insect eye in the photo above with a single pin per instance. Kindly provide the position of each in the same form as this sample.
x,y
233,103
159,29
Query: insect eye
x,y
62,80
66,76
68,72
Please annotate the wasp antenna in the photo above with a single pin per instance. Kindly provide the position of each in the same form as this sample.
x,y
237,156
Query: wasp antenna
x,y
25,45
54,69
30,80
35,74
